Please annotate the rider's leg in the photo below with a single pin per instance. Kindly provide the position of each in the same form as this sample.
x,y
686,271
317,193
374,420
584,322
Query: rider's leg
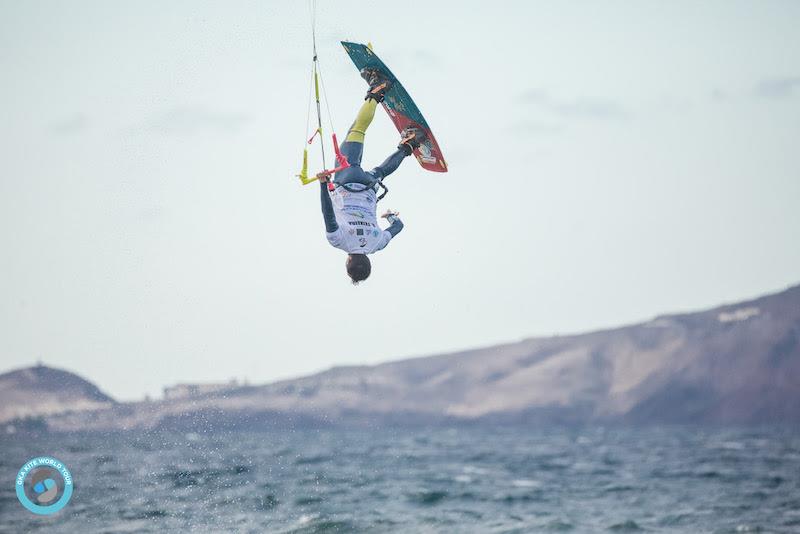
x,y
412,137
390,165
353,146
364,118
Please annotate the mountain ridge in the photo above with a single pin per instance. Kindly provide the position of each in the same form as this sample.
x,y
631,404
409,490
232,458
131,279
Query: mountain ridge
x,y
42,390
734,363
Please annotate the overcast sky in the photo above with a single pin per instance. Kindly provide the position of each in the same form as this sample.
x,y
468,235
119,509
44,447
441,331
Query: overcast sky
x,y
608,162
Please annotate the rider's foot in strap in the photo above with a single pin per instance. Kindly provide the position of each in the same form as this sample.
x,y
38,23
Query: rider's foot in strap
x,y
378,84
411,138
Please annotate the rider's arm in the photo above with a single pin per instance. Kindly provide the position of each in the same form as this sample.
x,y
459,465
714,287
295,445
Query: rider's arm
x,y
327,208
395,224
388,234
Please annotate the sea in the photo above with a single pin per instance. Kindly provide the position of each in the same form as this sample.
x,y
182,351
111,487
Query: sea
x,y
498,479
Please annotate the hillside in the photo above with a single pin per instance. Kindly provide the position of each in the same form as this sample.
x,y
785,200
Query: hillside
x,y
738,363
42,390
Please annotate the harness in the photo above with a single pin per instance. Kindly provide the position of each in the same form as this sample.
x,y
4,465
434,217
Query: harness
x,y
358,187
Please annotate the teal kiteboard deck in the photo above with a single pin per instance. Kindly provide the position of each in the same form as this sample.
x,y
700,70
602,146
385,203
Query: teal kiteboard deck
x,y
401,108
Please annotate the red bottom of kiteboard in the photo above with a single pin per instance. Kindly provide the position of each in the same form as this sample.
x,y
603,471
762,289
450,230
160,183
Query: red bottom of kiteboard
x,y
401,108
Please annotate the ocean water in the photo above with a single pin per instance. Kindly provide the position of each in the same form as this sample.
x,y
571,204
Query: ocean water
x,y
450,480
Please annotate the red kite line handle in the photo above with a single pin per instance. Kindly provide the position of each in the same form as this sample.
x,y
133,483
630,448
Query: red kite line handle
x,y
341,160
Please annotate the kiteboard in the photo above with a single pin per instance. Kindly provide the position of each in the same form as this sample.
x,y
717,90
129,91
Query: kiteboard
x,y
401,108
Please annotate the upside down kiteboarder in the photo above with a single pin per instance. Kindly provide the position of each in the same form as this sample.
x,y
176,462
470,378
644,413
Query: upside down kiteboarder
x,y
349,203
350,222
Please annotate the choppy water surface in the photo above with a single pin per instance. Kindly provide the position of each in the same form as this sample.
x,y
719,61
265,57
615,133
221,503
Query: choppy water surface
x,y
477,479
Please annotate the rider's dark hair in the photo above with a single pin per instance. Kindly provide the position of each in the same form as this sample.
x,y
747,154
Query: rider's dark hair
x,y
358,267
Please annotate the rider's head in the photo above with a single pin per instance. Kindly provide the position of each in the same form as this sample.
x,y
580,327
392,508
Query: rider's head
x,y
358,267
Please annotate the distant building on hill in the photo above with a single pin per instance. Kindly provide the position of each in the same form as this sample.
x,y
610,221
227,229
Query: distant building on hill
x,y
183,391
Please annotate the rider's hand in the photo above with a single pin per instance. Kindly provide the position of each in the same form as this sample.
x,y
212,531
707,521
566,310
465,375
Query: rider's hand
x,y
323,177
391,216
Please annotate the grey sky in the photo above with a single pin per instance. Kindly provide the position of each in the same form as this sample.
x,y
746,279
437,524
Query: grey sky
x,y
609,162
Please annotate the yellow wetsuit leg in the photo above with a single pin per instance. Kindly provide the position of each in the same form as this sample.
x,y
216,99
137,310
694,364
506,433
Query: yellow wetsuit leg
x,y
362,122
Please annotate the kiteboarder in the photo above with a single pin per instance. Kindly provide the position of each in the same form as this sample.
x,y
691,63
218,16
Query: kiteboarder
x,y
350,219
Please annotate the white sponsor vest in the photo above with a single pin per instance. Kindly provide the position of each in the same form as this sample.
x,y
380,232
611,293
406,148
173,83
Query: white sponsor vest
x,y
358,231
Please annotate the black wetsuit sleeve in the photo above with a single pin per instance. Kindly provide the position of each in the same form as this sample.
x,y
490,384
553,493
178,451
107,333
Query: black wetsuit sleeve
x,y
395,227
327,209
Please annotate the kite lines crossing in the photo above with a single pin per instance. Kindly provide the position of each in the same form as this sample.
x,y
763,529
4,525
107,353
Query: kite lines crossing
x,y
313,91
